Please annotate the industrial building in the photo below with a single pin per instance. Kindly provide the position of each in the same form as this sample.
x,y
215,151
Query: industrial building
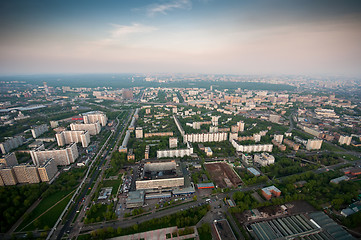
x,y
158,175
36,131
223,230
96,116
316,225
66,137
135,199
253,171
205,186
92,128
61,156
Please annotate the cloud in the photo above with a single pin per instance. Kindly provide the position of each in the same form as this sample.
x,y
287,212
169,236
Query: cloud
x,y
122,32
163,8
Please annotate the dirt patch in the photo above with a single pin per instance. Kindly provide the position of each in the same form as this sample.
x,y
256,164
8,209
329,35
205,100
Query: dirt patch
x,y
269,212
223,175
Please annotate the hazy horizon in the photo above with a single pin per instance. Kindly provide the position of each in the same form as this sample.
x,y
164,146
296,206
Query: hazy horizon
x,y
181,36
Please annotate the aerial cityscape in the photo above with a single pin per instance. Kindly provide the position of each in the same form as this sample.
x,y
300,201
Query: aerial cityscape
x,y
180,119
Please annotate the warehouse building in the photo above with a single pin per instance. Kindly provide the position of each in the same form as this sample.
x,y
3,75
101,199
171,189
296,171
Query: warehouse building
x,y
160,175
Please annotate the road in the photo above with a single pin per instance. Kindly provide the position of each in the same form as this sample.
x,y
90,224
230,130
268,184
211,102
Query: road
x,y
57,233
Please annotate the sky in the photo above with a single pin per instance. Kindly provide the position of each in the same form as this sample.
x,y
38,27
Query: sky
x,y
181,36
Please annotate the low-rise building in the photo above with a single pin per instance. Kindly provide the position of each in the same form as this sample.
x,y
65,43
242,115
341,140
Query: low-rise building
x,y
270,191
264,159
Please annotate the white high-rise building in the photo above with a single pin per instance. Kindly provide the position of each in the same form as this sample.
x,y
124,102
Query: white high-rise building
x,y
93,117
36,131
92,128
48,170
173,142
139,132
344,140
61,156
66,137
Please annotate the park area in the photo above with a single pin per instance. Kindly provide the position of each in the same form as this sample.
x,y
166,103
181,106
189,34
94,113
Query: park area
x,y
223,175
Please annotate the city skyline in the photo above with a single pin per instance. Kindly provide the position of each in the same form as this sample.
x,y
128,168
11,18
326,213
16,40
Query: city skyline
x,y
199,36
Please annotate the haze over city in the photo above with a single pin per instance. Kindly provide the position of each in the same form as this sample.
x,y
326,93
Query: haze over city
x,y
180,119
181,36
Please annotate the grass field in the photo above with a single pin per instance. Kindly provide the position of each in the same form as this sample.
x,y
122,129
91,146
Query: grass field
x,y
50,216
112,183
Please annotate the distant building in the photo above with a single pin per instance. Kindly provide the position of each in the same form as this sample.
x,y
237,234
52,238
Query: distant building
x,y
97,116
146,152
61,156
208,151
11,143
139,132
158,134
127,94
173,142
253,171
240,125
130,155
39,130
9,160
314,144
92,128
344,140
205,137
339,179
270,191
215,120
278,138
252,148
274,118
54,124
291,144
66,137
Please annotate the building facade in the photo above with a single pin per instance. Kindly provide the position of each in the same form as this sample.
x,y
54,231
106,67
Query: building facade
x,y
61,157
92,128
66,137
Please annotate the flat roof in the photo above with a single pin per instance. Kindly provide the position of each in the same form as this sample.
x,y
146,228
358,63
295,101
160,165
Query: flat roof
x,y
268,190
254,171
205,185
